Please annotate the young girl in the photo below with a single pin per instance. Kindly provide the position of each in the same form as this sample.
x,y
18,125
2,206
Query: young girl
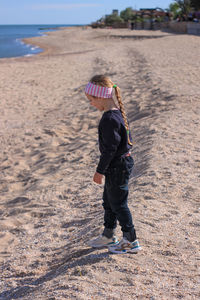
x,y
115,164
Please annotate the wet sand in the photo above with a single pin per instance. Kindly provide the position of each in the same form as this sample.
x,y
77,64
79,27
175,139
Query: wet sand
x,y
49,207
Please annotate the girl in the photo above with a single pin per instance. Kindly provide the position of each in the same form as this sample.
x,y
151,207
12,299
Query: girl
x,y
115,164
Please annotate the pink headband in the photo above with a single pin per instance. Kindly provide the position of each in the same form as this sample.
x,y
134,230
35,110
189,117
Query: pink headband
x,y
98,91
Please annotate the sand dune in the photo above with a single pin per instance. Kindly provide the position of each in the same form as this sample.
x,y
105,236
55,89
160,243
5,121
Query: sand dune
x,y
49,207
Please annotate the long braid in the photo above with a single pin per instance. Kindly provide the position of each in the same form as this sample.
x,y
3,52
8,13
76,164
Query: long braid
x,y
121,106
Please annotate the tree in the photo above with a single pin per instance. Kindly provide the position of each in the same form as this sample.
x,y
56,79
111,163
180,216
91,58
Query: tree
x,y
127,14
195,4
185,6
175,9
111,19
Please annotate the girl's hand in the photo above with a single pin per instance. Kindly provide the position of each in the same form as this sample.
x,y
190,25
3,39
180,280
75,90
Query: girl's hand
x,y
98,178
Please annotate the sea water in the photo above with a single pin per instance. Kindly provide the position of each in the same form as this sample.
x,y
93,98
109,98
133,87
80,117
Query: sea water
x,y
11,44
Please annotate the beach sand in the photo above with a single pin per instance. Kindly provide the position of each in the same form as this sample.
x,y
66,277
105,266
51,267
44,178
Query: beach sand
x,y
49,207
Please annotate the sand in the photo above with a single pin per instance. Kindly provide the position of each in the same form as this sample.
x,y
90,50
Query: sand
x,y
49,206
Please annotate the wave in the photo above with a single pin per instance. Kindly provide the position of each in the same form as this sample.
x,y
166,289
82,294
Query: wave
x,y
34,48
30,48
28,55
19,41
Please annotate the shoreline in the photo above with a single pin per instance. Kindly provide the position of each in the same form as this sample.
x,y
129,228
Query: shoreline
x,y
47,50
30,41
49,206
51,49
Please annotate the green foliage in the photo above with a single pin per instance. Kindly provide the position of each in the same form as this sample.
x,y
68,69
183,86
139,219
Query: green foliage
x,y
185,6
181,7
127,14
175,9
139,19
112,19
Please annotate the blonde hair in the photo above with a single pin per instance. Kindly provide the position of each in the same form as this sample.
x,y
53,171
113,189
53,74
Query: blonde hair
x,y
105,81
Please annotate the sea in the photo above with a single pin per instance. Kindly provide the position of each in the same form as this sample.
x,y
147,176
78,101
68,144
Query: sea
x,y
11,44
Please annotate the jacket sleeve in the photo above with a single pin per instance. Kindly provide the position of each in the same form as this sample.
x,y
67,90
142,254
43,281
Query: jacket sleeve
x,y
111,138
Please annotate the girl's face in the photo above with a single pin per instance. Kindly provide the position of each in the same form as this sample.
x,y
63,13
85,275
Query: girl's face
x,y
96,102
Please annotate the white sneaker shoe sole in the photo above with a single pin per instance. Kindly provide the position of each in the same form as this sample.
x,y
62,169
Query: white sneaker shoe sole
x,y
124,251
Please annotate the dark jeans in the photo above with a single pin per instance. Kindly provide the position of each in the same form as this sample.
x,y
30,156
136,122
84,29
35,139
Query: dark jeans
x,y
115,197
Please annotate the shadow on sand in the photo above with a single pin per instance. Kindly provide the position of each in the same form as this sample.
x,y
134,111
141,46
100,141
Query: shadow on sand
x,y
80,258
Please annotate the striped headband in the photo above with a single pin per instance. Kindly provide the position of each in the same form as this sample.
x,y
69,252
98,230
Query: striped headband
x,y
98,91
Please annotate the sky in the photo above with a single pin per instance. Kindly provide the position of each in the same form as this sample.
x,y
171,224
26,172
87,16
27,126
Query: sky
x,y
67,11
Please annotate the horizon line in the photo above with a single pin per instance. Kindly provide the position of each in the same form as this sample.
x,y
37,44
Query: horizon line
x,y
75,24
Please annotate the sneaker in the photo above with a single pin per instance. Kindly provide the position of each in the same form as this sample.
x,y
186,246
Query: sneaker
x,y
124,246
103,241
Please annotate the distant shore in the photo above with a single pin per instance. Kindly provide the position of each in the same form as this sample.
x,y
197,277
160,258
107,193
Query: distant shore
x,y
47,47
13,41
